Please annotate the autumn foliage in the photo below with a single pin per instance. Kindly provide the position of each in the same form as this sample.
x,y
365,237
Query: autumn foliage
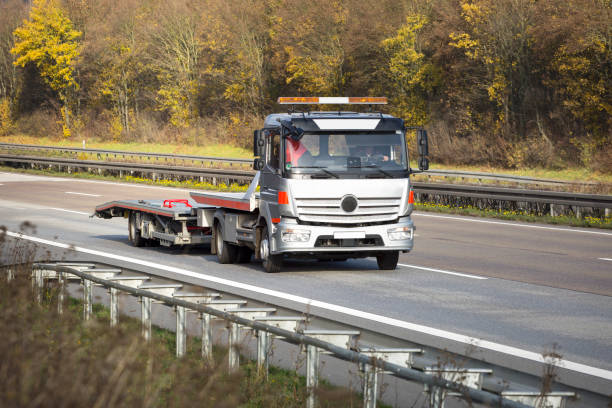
x,y
504,82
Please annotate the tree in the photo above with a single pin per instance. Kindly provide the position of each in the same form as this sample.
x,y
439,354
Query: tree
x,y
49,41
412,76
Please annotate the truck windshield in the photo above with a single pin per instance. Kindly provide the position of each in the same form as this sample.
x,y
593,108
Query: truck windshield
x,y
358,154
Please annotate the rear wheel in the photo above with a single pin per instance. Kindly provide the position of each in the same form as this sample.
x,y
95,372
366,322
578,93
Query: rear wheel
x,y
271,263
134,233
387,260
226,253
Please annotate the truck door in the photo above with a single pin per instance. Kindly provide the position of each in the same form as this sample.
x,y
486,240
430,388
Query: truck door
x,y
271,173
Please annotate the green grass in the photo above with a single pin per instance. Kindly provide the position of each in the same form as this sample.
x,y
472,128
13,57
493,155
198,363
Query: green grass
x,y
217,150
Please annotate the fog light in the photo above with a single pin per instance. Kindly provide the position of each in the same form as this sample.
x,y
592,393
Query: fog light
x,y
291,235
396,234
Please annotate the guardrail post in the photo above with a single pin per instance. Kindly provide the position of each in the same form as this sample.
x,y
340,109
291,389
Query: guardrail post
x,y
37,285
370,386
145,315
312,374
87,298
234,354
436,396
607,212
181,337
552,211
206,336
61,293
114,306
263,351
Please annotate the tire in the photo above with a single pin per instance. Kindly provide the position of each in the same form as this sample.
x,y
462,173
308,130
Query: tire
x,y
135,238
270,263
243,254
226,253
387,260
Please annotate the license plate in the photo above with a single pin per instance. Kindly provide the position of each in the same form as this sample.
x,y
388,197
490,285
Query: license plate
x,y
349,235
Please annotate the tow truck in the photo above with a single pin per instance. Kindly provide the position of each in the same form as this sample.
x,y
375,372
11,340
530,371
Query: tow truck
x,y
329,185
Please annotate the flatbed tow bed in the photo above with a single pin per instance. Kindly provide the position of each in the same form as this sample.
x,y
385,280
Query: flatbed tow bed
x,y
167,222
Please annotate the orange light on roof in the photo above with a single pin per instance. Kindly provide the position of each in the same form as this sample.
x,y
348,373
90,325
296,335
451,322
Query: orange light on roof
x,y
333,100
373,100
283,197
298,99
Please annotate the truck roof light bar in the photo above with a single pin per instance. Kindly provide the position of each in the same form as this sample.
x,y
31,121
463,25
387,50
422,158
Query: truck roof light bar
x,y
323,100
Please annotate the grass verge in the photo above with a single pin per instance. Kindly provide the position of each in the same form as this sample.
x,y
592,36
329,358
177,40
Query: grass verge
x,y
218,150
61,360
587,222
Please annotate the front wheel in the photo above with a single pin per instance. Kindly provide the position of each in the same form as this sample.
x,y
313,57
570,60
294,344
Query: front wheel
x,y
387,260
226,253
271,263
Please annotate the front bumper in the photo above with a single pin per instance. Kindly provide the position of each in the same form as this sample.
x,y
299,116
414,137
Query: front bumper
x,y
329,239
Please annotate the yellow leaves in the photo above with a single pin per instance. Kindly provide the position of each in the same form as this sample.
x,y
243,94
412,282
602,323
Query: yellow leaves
x,y
408,69
48,40
6,124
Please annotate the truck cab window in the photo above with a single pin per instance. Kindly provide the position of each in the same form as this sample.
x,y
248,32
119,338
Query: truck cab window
x,y
274,157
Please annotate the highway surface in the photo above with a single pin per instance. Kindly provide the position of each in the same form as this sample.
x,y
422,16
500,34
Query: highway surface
x,y
518,288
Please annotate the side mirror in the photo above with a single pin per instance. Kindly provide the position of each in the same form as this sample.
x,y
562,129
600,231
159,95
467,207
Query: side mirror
x,y
258,164
258,143
423,146
422,142
423,163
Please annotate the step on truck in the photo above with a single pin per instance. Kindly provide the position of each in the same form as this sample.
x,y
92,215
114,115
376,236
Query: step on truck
x,y
329,185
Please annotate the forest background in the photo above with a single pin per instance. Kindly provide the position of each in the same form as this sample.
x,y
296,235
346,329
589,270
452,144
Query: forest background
x,y
505,83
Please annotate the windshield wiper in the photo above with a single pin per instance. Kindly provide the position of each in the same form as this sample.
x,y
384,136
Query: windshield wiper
x,y
323,169
374,166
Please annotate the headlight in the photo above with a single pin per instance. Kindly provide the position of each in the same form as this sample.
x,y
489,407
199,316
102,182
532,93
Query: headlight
x,y
291,235
396,234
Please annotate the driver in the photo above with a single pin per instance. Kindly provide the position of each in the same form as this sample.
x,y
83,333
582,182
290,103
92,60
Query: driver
x,y
296,153
370,154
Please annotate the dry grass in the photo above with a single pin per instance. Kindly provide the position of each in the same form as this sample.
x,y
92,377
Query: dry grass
x,y
51,360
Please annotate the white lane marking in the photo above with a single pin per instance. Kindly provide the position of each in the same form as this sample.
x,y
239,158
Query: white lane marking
x,y
83,194
69,211
512,224
465,275
605,259
471,341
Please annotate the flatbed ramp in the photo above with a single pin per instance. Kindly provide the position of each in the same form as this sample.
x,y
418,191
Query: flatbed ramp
x,y
174,209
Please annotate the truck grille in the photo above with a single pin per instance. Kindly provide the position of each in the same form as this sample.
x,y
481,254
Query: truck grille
x,y
328,210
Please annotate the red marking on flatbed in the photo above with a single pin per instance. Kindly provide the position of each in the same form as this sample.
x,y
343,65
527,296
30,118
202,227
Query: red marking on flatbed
x,y
135,209
222,202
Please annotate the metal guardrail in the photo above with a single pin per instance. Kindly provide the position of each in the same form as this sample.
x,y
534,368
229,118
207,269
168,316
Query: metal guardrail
x,y
443,173
439,381
124,153
235,175
514,194
478,192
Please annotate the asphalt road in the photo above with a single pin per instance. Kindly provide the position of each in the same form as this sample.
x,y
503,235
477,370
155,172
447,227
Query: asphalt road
x,y
524,287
